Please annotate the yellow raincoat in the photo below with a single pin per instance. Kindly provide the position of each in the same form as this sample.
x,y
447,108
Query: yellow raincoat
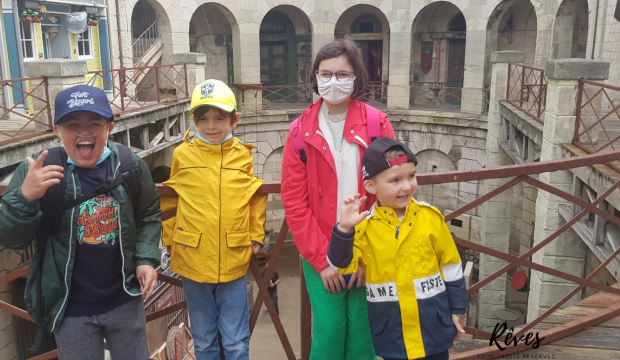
x,y
218,213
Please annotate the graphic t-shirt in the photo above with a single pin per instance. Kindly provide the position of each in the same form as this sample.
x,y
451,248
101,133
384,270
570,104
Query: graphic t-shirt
x,y
97,284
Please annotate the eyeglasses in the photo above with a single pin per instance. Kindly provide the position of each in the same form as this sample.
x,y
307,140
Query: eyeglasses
x,y
88,131
341,76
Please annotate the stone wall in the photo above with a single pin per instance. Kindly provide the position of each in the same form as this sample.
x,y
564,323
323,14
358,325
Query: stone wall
x,y
522,220
9,261
603,277
447,141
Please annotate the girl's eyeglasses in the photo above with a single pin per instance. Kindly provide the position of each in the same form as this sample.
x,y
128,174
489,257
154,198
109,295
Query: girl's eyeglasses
x,y
341,76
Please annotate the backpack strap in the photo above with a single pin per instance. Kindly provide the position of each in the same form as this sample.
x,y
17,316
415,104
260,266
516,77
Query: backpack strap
x,y
129,171
54,195
373,123
298,142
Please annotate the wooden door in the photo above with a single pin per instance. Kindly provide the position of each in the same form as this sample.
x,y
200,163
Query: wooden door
x,y
456,64
273,63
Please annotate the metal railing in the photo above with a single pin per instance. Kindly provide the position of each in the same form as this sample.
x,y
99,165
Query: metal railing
x,y
597,123
143,87
435,94
286,96
376,94
145,41
527,90
30,114
515,175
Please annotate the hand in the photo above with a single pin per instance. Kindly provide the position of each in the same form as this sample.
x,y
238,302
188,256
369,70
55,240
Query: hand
x,y
459,322
272,285
350,213
332,280
148,280
256,246
39,178
361,278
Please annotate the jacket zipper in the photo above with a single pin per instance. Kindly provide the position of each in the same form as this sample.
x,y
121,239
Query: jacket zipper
x,y
120,243
64,302
321,204
219,232
397,230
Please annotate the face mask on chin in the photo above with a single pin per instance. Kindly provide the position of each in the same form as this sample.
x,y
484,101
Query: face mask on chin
x,y
334,91
106,153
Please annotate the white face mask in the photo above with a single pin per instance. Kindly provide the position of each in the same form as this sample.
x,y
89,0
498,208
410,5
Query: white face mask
x,y
334,91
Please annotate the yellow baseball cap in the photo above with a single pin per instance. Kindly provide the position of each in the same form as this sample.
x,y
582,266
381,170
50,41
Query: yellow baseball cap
x,y
213,93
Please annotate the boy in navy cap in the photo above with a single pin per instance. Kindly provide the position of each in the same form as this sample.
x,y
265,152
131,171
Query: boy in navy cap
x,y
415,289
96,241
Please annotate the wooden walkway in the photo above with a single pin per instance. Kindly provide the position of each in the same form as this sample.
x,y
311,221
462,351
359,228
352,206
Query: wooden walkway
x,y
600,342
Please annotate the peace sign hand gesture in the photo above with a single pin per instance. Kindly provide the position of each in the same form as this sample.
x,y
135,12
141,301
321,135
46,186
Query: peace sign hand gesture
x,y
39,178
350,213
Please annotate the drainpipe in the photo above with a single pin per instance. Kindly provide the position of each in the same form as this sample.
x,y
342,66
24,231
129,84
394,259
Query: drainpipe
x,y
3,64
120,48
20,55
437,61
595,28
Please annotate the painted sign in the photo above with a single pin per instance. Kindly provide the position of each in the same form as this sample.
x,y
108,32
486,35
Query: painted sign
x,y
426,59
457,63
165,301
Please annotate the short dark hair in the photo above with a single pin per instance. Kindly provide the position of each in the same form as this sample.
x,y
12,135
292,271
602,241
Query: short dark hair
x,y
350,51
205,109
394,153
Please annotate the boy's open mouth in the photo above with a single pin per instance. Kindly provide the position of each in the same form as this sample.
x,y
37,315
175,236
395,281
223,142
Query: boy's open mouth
x,y
85,148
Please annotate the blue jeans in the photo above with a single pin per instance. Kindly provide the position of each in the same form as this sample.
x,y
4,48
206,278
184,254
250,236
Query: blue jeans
x,y
219,307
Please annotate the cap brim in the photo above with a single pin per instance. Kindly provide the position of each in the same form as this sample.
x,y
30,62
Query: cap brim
x,y
107,115
219,106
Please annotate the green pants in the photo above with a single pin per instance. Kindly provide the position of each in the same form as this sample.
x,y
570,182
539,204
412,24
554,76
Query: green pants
x,y
340,329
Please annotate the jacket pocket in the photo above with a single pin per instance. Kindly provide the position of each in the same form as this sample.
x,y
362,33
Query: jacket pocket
x,y
239,251
186,238
185,253
444,329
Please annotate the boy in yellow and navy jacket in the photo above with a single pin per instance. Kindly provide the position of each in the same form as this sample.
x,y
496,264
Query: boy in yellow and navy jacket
x,y
415,288
219,223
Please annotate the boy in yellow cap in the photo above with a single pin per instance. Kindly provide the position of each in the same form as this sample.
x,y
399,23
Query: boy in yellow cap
x,y
218,224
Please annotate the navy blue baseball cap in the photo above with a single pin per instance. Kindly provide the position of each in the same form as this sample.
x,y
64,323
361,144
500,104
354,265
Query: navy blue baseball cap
x,y
82,98
374,162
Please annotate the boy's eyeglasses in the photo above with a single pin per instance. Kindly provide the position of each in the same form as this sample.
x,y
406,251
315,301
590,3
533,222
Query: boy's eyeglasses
x,y
341,76
90,130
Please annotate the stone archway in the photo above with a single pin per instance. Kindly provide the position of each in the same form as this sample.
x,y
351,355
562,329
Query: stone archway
x,y
369,28
213,31
438,56
150,27
570,30
286,57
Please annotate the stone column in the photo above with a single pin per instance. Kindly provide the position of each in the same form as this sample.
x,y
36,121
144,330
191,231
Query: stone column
x,y
472,95
61,74
567,252
497,211
249,66
195,63
399,88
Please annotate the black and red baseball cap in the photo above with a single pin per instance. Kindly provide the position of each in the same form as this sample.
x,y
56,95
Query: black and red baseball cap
x,y
374,162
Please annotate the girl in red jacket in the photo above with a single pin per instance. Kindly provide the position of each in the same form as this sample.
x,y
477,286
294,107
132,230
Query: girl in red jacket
x,y
334,131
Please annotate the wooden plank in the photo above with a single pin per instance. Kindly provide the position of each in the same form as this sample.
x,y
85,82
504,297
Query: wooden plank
x,y
600,300
590,338
572,313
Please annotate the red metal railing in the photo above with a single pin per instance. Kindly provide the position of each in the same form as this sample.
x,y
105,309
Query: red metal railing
x,y
597,126
515,175
434,94
376,93
143,87
527,90
30,115
286,96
